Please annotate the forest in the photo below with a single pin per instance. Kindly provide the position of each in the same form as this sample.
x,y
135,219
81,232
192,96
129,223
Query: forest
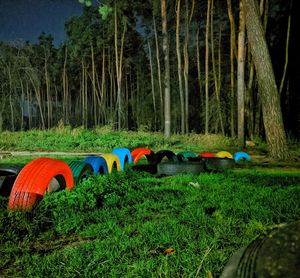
x,y
172,66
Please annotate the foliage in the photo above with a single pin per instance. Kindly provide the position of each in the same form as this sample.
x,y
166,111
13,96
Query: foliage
x,y
121,224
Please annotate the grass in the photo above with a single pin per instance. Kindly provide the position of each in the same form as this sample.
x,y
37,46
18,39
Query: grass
x,y
104,139
120,225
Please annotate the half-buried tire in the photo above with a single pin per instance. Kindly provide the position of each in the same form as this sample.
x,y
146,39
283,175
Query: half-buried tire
x,y
124,156
8,175
137,153
160,155
218,164
80,170
174,168
34,179
98,163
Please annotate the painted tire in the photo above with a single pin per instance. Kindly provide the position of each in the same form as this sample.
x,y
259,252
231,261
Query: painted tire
x,y
206,154
124,156
241,155
224,154
137,153
8,175
34,179
80,170
186,155
112,161
98,163
160,155
218,164
174,168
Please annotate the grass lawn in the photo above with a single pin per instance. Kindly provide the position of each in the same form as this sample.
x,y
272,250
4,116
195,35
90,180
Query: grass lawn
x,y
132,224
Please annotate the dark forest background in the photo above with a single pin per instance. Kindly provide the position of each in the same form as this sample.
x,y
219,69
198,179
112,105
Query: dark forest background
x,y
86,82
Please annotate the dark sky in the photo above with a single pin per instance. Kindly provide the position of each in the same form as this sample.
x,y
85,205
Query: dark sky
x,y
26,19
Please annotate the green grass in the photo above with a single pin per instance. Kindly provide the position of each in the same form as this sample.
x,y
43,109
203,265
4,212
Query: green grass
x,y
104,139
119,225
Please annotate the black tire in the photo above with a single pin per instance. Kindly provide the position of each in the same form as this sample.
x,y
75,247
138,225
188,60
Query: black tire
x,y
276,254
174,168
160,155
149,168
8,175
218,164
10,169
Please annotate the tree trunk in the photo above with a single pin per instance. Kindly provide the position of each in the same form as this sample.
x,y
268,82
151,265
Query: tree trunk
x,y
188,18
216,78
119,60
207,66
201,106
167,111
272,116
232,85
286,49
159,76
179,69
152,85
241,79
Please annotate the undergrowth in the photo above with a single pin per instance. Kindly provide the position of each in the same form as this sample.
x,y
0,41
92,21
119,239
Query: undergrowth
x,y
121,225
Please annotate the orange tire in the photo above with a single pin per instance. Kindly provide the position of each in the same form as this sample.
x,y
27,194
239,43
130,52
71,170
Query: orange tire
x,y
139,152
34,179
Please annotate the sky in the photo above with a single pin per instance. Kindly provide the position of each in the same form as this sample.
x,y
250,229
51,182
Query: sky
x,y
25,20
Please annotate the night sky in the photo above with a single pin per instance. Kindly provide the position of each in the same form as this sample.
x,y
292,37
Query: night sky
x,y
25,20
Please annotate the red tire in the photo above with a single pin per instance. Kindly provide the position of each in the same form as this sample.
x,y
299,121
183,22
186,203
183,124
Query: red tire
x,y
139,152
34,179
206,154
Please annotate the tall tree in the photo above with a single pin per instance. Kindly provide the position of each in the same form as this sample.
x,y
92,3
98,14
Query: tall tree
x,y
272,115
232,84
241,79
179,68
167,106
207,66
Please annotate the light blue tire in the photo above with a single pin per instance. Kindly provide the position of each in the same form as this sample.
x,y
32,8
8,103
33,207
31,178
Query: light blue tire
x,y
241,155
98,163
124,156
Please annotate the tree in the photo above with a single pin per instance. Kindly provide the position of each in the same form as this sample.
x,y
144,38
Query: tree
x,y
167,105
272,115
241,80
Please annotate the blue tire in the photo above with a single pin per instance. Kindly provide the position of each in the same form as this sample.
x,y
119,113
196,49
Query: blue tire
x,y
241,155
124,156
98,163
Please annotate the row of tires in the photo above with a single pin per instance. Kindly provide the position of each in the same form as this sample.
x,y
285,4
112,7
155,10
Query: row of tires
x,y
25,186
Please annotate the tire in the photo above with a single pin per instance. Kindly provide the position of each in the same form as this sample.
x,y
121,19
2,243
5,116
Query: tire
x,y
275,254
98,163
149,168
224,154
160,155
34,179
124,156
186,155
80,170
8,175
241,155
206,154
10,169
174,168
218,164
113,162
137,153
